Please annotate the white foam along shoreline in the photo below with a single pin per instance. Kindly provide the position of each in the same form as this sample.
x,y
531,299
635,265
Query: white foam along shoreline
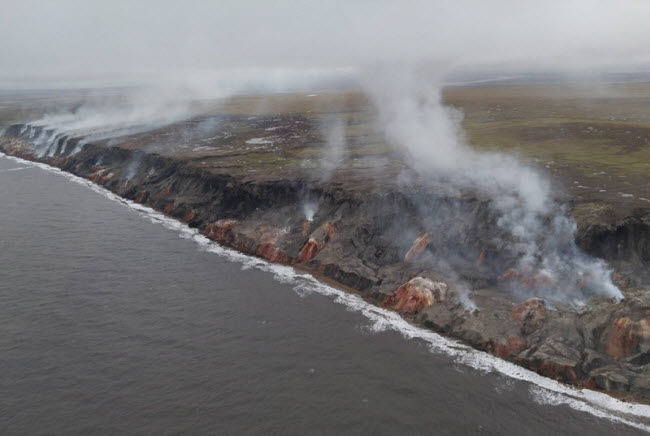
x,y
544,390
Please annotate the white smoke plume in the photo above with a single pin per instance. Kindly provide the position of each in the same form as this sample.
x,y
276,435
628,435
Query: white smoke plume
x,y
132,169
122,111
309,208
413,115
333,129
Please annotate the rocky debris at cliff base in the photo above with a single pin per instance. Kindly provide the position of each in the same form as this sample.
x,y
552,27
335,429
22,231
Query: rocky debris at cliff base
x,y
169,207
272,253
142,196
264,241
269,239
508,347
189,216
416,295
221,231
490,328
102,175
557,346
316,242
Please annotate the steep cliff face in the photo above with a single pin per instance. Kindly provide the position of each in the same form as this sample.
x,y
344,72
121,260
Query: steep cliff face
x,y
625,243
416,252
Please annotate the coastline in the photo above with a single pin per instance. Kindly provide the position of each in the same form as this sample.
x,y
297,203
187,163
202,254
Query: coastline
x,y
264,220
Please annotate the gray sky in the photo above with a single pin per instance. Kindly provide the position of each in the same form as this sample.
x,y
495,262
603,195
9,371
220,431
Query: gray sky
x,y
100,38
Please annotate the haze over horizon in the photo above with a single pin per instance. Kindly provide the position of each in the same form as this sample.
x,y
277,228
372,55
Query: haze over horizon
x,y
202,41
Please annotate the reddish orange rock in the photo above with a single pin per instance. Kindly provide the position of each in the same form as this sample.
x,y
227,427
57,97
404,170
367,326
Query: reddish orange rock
x,y
97,175
100,177
141,197
316,242
272,253
509,347
13,149
309,250
244,244
418,247
531,279
558,370
168,208
530,314
643,330
329,230
189,216
268,248
305,227
622,338
221,231
508,275
415,295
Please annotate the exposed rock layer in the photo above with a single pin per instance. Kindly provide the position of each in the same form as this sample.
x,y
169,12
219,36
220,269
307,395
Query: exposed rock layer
x,y
387,245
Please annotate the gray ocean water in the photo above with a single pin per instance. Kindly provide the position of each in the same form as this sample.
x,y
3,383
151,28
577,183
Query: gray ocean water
x,y
112,324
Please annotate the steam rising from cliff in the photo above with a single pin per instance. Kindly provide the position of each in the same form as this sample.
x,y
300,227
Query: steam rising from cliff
x,y
289,44
335,143
541,235
123,111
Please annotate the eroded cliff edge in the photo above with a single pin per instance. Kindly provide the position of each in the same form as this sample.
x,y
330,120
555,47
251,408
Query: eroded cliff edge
x,y
388,245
